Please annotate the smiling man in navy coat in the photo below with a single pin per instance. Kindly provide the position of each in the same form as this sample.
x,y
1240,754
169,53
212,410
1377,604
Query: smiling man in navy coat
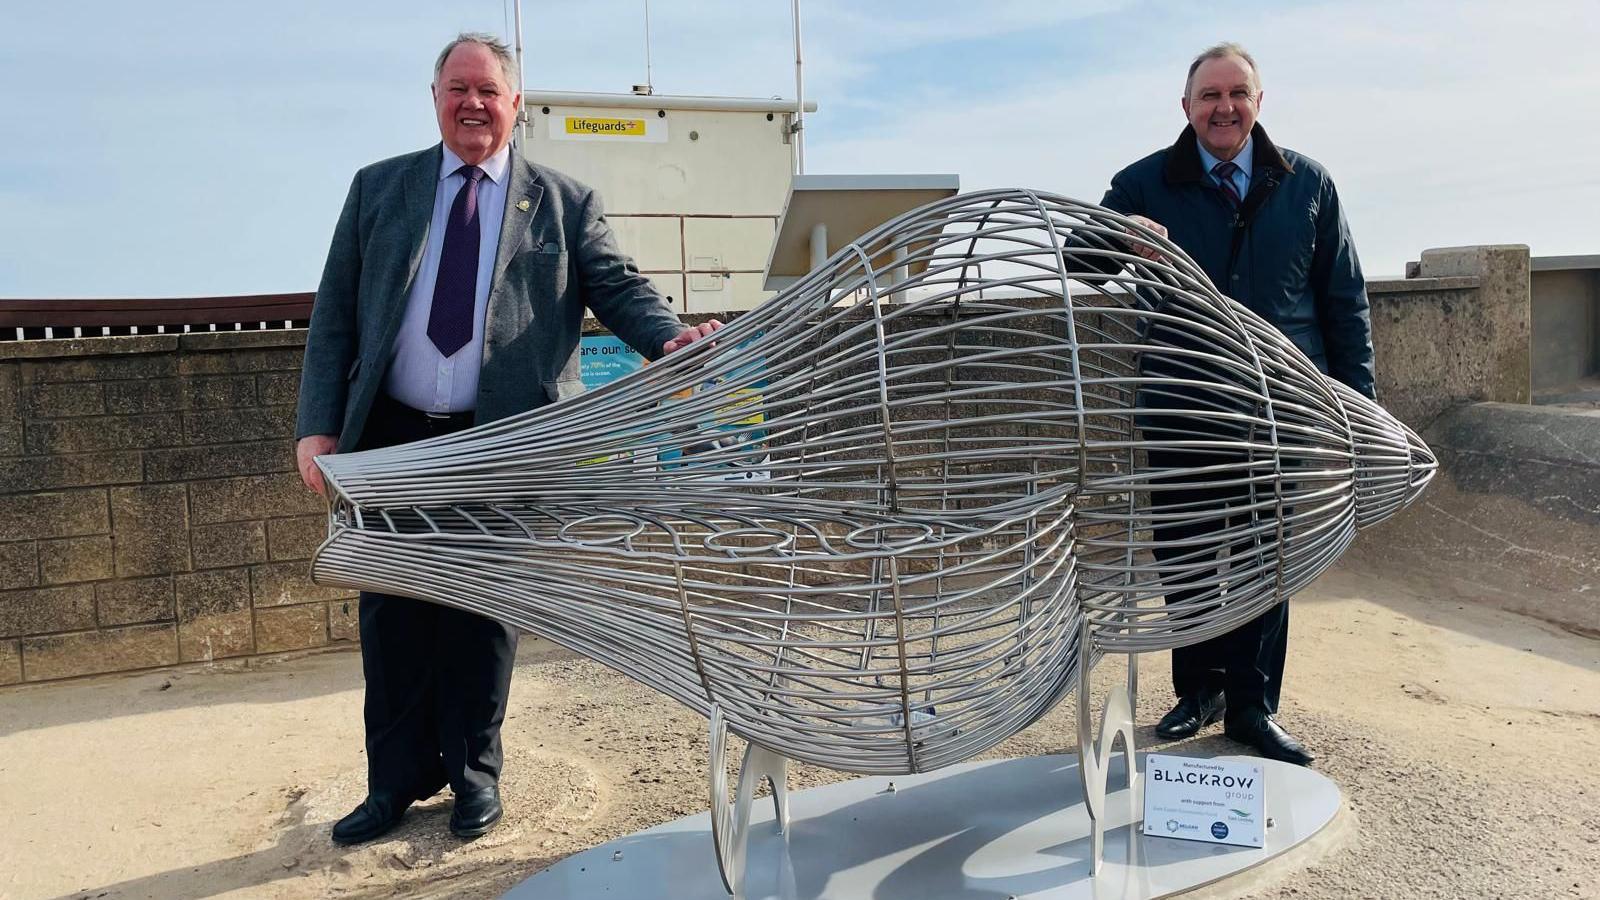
x,y
454,294
1265,224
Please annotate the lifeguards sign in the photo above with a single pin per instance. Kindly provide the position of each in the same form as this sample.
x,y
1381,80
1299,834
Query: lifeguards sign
x,y
574,126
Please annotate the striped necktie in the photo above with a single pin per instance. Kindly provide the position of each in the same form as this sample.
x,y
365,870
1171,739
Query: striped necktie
x,y
1224,172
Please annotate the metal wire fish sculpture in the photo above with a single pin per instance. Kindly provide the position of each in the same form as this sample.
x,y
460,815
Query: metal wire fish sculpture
x,y
893,515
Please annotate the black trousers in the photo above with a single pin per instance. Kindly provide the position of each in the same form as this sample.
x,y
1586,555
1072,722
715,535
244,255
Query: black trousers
x,y
437,678
1247,663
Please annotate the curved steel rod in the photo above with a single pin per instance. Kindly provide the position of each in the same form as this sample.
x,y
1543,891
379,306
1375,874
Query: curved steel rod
x,y
878,521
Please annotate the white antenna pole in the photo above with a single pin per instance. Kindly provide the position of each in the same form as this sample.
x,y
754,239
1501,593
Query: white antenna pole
x,y
649,80
522,79
799,100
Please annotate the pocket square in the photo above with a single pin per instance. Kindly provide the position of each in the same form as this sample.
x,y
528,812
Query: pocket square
x,y
550,247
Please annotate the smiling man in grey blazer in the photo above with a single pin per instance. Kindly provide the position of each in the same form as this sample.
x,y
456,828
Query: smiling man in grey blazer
x,y
454,294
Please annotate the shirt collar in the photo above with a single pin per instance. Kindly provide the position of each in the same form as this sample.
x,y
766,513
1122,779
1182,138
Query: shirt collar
x,y
495,167
1242,159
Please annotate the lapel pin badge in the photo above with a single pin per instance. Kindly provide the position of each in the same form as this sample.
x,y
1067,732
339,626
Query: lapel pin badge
x,y
522,205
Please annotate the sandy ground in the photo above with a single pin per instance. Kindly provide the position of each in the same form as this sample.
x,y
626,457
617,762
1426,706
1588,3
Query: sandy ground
x,y
1466,741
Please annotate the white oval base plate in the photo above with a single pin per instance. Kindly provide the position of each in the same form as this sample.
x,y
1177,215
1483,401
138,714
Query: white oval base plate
x,y
992,829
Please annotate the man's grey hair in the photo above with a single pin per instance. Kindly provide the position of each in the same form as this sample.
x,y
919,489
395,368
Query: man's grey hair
x,y
502,52
1221,51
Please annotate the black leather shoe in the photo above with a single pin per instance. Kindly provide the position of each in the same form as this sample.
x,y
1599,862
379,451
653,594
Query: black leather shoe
x,y
1270,740
375,817
475,812
1189,716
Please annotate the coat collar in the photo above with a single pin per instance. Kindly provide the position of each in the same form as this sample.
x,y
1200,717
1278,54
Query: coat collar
x,y
1183,159
420,182
418,185
523,194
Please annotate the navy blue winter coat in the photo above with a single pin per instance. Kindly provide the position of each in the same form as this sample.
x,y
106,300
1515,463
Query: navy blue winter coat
x,y
1286,253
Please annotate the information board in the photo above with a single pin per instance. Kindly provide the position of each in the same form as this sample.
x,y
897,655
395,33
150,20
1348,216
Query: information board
x,y
603,359
1219,801
736,426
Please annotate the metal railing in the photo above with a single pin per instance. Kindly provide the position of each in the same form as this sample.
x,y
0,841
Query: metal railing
x,y
33,319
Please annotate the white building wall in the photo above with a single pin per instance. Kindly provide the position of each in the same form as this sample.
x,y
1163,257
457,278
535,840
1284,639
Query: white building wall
x,y
693,186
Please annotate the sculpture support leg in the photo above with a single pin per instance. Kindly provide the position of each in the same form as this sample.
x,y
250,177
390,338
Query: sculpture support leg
x,y
730,823
1094,751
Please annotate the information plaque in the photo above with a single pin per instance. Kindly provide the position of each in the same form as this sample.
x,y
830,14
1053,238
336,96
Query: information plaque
x,y
1220,801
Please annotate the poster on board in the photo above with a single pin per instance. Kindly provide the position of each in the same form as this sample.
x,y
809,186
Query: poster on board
x,y
735,428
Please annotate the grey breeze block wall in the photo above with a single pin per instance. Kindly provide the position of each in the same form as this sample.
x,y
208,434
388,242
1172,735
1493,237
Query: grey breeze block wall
x,y
150,513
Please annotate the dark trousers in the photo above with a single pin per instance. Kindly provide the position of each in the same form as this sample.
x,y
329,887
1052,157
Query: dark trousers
x,y
437,678
1247,662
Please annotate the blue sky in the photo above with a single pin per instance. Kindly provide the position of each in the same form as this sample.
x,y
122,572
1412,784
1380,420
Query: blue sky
x,y
187,148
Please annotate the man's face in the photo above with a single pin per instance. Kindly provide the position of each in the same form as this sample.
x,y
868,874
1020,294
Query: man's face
x,y
476,107
1222,103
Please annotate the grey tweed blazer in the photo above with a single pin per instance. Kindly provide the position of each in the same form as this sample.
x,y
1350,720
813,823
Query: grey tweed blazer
x,y
557,257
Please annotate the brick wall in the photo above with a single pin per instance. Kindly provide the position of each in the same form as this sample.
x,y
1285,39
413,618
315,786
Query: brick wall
x,y
150,513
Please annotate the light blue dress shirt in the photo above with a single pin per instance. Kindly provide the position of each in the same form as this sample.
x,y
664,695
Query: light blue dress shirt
x,y
419,376
1241,178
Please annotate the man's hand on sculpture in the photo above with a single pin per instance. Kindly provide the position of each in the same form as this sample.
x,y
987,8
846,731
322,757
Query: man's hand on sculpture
x,y
305,453
690,335
1143,249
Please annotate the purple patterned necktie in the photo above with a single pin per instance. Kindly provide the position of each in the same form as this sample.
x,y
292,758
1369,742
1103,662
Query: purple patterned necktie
x,y
450,317
1224,173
